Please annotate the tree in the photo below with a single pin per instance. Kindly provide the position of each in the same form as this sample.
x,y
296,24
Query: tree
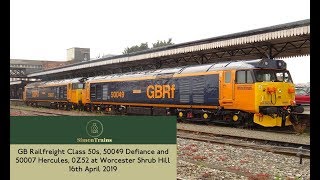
x,y
162,43
136,48
144,46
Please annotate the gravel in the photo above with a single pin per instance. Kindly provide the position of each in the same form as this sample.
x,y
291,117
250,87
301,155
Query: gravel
x,y
290,138
192,171
201,160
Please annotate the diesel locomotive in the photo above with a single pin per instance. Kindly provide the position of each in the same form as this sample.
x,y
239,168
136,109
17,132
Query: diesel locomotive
x,y
238,92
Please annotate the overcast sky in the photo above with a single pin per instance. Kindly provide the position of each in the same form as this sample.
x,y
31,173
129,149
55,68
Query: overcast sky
x,y
45,29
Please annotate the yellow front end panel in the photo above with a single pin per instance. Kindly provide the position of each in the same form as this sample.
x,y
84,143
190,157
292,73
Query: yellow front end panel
x,y
268,121
76,95
273,94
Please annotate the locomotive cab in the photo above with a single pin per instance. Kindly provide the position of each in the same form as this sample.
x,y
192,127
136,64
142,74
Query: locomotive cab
x,y
274,95
76,92
262,87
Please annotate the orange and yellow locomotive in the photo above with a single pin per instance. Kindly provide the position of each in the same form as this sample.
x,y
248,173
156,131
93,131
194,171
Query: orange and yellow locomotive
x,y
239,92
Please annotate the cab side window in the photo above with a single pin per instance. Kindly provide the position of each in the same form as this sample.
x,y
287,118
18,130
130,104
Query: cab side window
x,y
244,77
241,77
249,77
227,77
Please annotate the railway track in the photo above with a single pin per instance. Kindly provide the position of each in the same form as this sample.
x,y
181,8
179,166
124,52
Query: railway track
x,y
16,102
283,130
39,112
278,147
53,112
286,130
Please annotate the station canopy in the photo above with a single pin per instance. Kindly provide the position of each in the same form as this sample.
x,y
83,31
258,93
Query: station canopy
x,y
274,42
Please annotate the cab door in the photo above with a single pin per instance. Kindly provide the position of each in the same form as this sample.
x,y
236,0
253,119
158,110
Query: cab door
x,y
227,88
86,93
74,94
69,92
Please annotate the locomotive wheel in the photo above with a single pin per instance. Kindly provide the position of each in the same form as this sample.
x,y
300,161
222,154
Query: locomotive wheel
x,y
299,127
179,120
299,124
68,107
80,107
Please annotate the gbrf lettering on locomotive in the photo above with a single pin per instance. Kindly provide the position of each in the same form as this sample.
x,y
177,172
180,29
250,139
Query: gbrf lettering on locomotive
x,y
160,91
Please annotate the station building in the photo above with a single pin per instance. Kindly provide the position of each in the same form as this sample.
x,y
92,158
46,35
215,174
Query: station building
x,y
19,68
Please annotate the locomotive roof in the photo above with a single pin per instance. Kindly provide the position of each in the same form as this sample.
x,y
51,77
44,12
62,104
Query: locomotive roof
x,y
53,82
252,64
